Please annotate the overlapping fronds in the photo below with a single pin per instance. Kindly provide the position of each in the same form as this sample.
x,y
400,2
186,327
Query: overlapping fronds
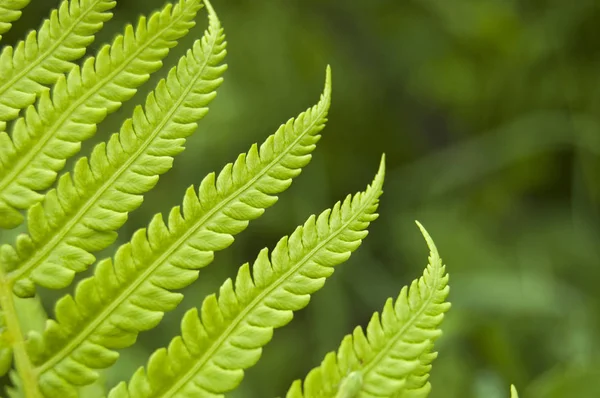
x,y
130,293
52,131
45,54
82,214
209,357
394,355
10,11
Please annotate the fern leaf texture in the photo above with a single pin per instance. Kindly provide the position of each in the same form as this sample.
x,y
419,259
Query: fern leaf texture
x,y
10,11
50,133
131,293
82,214
45,54
209,357
395,353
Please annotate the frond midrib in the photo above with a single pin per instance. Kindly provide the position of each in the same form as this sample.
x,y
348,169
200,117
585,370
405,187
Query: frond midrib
x,y
174,247
48,52
258,300
115,303
26,159
412,320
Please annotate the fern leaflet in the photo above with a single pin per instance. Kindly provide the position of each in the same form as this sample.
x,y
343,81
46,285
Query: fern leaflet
x,y
350,386
131,293
81,215
10,11
210,356
396,348
513,392
47,136
44,55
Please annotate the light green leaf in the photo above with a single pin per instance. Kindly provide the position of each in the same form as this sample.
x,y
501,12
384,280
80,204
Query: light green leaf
x,y
10,11
210,355
81,215
131,293
513,392
40,59
350,386
394,355
52,132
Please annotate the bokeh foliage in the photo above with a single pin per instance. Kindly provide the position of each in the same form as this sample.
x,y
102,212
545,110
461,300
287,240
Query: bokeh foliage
x,y
489,113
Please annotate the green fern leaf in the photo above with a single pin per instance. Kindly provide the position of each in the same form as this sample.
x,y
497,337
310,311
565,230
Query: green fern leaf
x,y
210,356
10,11
8,216
82,214
417,385
131,294
52,132
45,55
396,349
350,386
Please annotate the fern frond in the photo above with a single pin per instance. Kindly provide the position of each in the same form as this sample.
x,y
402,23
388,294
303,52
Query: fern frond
x,y
46,54
131,293
10,11
52,132
350,385
396,349
210,356
82,214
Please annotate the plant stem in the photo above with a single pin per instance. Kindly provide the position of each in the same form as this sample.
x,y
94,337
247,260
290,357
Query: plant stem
x,y
23,364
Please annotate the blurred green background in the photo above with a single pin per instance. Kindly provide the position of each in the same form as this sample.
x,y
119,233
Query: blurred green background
x,y
489,114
